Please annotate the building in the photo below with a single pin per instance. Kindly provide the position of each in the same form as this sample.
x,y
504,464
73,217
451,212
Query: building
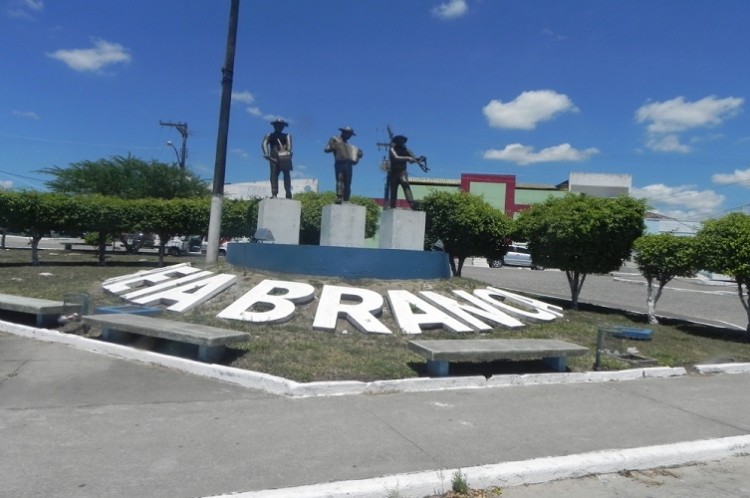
x,y
504,192
249,190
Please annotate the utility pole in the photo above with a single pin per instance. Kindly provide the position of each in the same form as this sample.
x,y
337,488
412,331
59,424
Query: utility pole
x,y
227,72
183,129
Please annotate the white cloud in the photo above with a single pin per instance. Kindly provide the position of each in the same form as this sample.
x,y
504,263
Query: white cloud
x,y
243,97
103,54
24,9
738,177
527,110
240,152
451,9
26,114
667,143
681,202
273,117
664,120
255,111
677,115
6,184
524,154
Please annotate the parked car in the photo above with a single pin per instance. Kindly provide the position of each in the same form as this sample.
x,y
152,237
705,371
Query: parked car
x,y
138,240
222,246
182,245
517,255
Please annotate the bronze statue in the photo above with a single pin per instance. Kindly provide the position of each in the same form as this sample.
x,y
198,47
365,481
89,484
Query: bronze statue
x,y
277,148
399,156
345,157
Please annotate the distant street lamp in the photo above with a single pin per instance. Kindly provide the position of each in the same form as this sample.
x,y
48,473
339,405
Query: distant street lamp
x,y
180,161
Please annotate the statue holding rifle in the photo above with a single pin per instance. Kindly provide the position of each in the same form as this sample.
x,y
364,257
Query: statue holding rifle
x,y
399,157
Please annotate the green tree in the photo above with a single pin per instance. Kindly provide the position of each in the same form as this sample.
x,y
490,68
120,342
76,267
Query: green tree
x,y
168,218
723,246
36,214
126,177
239,218
107,216
660,258
312,213
466,224
580,235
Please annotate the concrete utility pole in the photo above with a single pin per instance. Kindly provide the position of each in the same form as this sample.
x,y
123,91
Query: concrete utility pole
x,y
214,224
183,129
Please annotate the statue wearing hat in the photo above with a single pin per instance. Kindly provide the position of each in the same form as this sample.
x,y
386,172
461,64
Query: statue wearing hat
x,y
277,149
399,158
345,157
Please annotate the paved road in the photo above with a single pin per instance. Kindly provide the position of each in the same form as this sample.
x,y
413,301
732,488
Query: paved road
x,y
699,300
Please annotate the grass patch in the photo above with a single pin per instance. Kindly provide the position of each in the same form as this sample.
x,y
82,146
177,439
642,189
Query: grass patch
x,y
294,350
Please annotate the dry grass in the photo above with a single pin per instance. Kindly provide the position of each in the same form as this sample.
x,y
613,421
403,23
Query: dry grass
x,y
295,351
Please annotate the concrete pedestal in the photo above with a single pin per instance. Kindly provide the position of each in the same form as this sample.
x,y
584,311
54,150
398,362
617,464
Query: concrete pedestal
x,y
402,229
281,216
343,225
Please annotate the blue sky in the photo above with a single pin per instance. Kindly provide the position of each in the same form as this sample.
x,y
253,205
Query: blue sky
x,y
656,89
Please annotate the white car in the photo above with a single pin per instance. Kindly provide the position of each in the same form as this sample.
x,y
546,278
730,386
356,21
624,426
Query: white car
x,y
517,255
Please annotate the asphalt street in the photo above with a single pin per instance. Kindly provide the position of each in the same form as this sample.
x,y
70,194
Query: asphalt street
x,y
697,299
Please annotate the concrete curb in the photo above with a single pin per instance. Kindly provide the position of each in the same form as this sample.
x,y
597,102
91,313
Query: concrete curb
x,y
280,386
519,473
723,368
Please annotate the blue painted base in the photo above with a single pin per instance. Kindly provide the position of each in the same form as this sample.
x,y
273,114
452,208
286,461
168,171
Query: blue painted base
x,y
344,262
558,364
128,308
437,368
632,333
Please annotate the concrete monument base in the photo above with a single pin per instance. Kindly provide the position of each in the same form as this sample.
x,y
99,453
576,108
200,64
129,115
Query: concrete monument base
x,y
282,217
402,229
345,262
343,225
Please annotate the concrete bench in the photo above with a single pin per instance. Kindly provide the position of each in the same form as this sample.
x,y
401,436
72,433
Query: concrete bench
x,y
46,311
439,353
211,341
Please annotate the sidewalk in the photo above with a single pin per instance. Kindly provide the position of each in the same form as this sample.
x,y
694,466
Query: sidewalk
x,y
74,423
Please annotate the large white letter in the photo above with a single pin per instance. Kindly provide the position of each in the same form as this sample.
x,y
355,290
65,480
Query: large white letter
x,y
189,295
537,314
169,284
465,311
511,296
361,315
402,302
118,285
282,306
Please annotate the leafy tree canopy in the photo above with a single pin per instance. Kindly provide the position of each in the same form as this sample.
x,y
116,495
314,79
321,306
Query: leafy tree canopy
x,y
665,256
127,178
723,246
580,234
466,224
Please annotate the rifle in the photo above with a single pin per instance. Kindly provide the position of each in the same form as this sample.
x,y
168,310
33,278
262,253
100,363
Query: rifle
x,y
386,165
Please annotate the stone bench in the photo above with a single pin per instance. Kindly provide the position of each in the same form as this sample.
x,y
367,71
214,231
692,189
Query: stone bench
x,y
211,341
46,311
439,353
